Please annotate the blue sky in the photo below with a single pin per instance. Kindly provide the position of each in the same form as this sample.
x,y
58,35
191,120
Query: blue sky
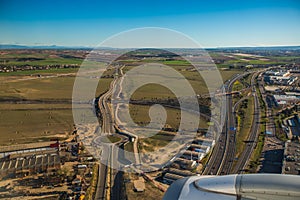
x,y
211,23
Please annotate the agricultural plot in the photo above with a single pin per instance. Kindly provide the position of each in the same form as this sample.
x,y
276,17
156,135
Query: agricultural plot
x,y
38,109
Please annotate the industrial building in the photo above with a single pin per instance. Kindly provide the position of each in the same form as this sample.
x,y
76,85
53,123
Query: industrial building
x,y
279,78
185,164
285,99
27,165
193,155
205,142
199,148
170,178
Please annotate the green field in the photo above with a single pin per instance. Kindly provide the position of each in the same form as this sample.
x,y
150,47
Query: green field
x,y
39,58
48,61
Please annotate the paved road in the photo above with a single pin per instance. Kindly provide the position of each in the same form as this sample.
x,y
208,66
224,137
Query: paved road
x,y
229,154
222,156
252,139
107,128
254,132
119,100
112,152
101,184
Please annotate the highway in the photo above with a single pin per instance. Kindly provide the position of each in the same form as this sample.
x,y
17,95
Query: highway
x,y
101,183
107,128
220,162
254,132
230,147
223,155
221,159
107,118
110,180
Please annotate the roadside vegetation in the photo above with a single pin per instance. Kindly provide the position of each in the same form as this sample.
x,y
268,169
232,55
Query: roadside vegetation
x,y
244,117
90,193
256,154
280,134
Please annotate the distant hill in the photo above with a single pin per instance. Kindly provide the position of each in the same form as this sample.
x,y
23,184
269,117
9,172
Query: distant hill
x,y
8,46
11,46
270,48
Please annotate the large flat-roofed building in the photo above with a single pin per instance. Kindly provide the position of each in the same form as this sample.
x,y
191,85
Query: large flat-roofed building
x,y
199,148
284,99
193,155
170,178
204,142
181,172
185,163
281,77
29,164
280,80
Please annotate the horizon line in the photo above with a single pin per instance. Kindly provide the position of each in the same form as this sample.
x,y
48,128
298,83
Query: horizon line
x,y
95,47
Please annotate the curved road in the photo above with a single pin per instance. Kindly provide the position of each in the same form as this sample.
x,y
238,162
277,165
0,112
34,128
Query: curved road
x,y
220,161
251,141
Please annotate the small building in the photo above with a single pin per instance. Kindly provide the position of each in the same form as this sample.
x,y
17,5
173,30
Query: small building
x,y
184,173
76,181
204,142
199,148
272,88
185,163
139,185
170,178
192,155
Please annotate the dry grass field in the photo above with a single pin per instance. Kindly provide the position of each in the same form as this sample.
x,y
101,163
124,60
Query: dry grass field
x,y
34,108
47,112
150,193
56,88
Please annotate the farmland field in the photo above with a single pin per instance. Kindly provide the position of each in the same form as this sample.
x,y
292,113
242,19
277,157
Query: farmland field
x,y
47,112
24,126
45,88
36,104
140,115
24,123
